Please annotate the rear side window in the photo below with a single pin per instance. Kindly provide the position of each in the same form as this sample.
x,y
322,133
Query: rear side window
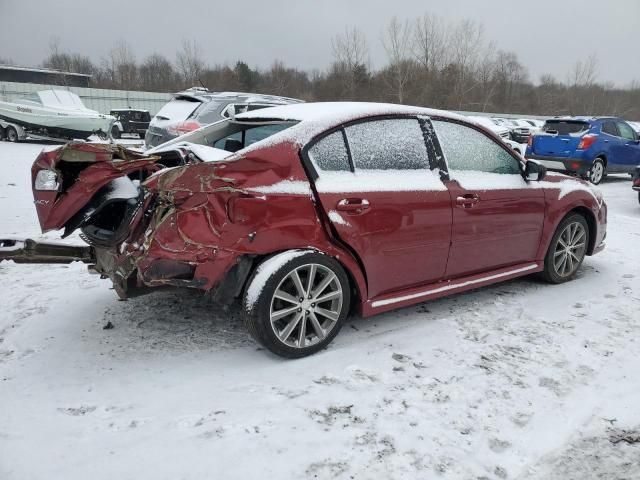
x,y
330,153
565,127
466,148
394,144
610,128
626,131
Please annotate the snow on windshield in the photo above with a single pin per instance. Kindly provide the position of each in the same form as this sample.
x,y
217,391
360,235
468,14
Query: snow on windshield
x,y
177,110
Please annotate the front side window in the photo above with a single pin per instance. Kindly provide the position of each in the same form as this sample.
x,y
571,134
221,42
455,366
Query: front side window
x,y
626,131
466,148
330,153
393,144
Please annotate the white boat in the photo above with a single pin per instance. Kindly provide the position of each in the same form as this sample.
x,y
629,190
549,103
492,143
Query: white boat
x,y
56,113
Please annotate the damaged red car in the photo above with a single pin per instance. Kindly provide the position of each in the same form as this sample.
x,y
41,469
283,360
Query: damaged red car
x,y
305,213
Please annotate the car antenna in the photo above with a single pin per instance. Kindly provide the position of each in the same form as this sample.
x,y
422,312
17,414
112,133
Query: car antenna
x,y
202,84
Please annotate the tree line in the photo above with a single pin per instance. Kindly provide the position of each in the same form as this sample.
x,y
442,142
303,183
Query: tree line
x,y
429,62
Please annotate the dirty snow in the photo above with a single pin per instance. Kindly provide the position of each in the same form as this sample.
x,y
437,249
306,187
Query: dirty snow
x,y
521,380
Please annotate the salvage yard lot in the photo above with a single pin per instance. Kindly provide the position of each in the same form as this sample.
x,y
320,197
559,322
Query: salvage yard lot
x,y
521,380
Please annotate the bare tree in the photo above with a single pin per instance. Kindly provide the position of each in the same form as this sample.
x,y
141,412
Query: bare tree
x,y
157,74
467,42
584,72
430,42
350,55
396,40
189,62
119,66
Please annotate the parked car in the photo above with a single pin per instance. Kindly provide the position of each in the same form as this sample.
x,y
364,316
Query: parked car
x,y
586,146
636,181
193,108
130,121
503,132
323,210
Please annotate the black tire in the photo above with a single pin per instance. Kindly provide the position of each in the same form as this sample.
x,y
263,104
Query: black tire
x,y
12,134
275,274
552,273
115,132
594,174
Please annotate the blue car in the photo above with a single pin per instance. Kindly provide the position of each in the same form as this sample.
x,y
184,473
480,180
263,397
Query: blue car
x,y
589,147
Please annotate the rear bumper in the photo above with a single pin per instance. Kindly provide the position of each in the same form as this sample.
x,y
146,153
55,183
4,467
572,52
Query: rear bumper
x,y
578,166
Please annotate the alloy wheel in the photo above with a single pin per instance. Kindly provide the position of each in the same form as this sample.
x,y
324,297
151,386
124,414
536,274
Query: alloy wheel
x,y
596,173
306,305
570,249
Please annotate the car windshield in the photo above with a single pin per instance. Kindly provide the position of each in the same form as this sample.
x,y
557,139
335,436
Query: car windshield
x,y
565,127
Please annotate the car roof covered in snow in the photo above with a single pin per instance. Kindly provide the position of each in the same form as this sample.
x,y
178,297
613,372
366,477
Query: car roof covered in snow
x,y
338,111
315,118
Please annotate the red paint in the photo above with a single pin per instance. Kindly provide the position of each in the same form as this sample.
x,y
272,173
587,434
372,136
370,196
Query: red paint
x,y
399,248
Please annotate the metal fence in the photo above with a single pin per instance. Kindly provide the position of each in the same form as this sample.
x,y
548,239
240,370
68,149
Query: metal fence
x,y
98,99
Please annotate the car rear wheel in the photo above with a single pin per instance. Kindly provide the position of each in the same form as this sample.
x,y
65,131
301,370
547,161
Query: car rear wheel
x,y
597,171
12,134
296,303
567,250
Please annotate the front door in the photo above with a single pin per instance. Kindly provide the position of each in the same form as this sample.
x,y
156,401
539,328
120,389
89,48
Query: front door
x,y
497,216
626,151
376,186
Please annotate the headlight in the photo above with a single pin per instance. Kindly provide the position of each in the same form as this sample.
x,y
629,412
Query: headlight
x,y
46,180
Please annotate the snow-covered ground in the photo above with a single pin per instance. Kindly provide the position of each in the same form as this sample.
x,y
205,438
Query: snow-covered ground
x,y
522,380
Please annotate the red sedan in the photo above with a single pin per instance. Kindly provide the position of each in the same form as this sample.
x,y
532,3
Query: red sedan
x,y
308,212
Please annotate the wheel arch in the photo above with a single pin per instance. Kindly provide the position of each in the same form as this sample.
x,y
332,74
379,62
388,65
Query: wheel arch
x,y
591,222
351,268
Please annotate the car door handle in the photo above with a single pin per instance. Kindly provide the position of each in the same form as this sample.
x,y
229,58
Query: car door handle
x,y
353,205
468,200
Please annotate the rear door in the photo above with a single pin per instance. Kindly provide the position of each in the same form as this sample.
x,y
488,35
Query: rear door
x,y
375,184
559,138
497,216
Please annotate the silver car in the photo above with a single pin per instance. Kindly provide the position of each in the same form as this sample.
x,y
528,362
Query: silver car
x,y
196,107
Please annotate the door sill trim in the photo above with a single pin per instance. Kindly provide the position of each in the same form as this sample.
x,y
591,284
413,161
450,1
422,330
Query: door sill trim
x,y
464,283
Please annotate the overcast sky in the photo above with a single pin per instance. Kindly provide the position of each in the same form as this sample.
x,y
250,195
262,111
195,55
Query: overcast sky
x,y
548,35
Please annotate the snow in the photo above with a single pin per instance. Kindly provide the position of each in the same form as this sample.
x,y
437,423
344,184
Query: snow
x,y
335,217
521,380
380,181
315,118
264,273
290,187
203,152
177,110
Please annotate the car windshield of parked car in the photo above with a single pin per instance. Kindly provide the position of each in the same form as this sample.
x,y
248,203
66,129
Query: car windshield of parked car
x,y
466,148
565,127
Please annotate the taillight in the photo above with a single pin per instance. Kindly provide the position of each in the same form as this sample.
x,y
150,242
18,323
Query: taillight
x,y
587,141
181,128
636,182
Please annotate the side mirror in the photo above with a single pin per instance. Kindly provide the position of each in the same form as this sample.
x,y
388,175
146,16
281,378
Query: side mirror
x,y
534,171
